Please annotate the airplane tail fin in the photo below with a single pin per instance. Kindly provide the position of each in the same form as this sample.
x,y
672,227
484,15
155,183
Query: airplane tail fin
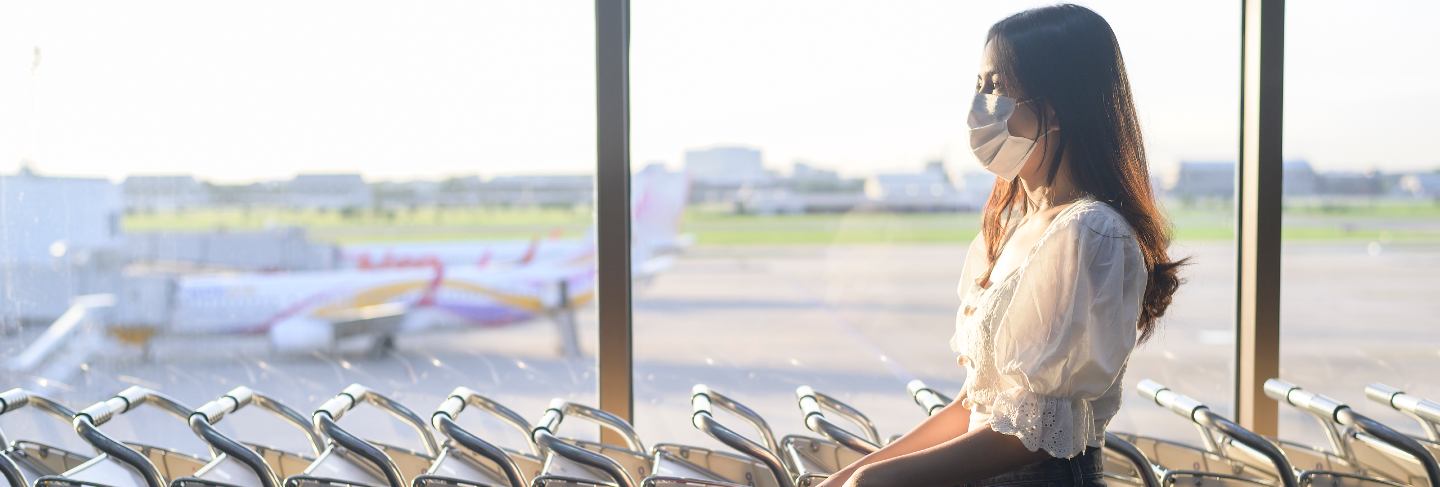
x,y
657,207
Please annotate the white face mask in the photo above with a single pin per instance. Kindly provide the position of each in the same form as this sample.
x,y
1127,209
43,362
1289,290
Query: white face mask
x,y
997,150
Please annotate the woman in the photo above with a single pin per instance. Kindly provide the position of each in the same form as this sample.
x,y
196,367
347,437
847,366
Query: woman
x,y
1069,273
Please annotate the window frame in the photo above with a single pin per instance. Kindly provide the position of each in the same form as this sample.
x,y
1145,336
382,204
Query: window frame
x,y
1258,210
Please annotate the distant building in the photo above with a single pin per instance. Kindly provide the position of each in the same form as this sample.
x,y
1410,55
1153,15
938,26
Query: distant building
x,y
1300,179
1215,180
164,193
803,173
718,173
395,195
928,190
784,200
459,191
805,170
560,191
1351,183
808,189
975,189
260,194
1202,180
329,192
725,165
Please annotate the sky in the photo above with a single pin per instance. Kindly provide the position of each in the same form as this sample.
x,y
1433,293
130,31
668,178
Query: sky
x,y
264,89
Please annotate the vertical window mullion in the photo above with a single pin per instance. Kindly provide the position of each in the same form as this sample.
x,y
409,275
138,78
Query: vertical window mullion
x,y
1258,207
612,208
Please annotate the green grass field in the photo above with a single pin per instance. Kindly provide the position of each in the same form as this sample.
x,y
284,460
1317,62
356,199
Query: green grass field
x,y
1388,222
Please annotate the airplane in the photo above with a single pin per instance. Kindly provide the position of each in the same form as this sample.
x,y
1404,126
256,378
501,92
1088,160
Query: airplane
x,y
381,291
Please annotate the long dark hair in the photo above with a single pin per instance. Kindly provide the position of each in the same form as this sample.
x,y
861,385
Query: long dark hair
x,y
1066,57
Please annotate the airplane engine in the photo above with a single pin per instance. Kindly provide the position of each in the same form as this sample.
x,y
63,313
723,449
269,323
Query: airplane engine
x,y
302,334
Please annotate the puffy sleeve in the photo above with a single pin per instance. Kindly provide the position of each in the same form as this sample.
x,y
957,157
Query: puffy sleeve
x,y
1068,331
975,262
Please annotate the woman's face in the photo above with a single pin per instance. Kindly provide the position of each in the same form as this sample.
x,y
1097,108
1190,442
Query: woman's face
x,y
1026,121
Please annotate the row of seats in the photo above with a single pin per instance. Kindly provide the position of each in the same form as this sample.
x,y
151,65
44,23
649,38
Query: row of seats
x,y
1362,452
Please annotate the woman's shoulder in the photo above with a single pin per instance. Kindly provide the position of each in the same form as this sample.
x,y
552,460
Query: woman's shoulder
x,y
1092,218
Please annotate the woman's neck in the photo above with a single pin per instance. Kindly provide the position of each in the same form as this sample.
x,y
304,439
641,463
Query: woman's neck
x,y
1041,195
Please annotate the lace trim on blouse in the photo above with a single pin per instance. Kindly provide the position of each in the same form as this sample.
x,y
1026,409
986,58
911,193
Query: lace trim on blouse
x,y
1060,425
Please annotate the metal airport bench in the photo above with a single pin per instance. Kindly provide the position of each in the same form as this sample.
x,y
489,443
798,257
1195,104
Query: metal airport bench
x,y
1279,470
1124,463
125,464
578,463
1376,449
1168,455
1126,454
818,458
814,404
795,460
467,460
349,461
1361,452
1267,455
1300,455
573,462
930,400
245,464
1174,455
1426,412
22,461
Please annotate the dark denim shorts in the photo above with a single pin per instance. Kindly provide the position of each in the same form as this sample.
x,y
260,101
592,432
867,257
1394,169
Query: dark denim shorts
x,y
1085,470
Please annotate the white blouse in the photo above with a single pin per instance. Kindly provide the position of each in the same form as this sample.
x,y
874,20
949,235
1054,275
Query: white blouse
x,y
1044,347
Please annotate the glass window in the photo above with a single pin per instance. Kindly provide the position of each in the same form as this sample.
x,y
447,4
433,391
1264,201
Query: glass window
x,y
1362,207
296,197
832,196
